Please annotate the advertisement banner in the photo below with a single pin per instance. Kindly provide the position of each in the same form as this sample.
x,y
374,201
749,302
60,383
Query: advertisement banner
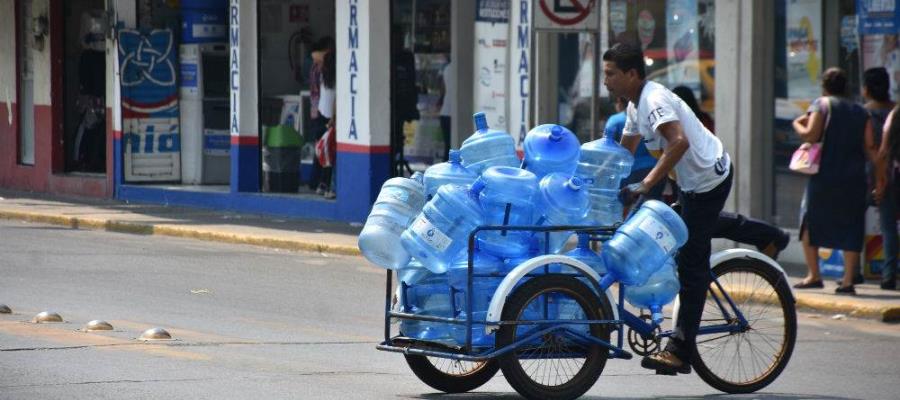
x,y
804,49
490,61
883,51
878,17
151,136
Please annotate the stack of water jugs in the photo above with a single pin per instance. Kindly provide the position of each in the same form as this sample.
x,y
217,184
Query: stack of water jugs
x,y
420,226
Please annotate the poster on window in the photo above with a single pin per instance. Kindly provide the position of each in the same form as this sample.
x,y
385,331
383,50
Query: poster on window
x,y
804,49
878,17
682,43
491,46
883,51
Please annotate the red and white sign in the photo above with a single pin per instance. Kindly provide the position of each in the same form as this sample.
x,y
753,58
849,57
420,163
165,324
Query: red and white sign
x,y
576,15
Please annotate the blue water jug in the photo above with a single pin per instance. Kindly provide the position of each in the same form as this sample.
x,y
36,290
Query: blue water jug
x,y
447,173
488,148
602,166
441,231
583,253
483,289
413,273
643,243
507,198
562,201
659,290
551,148
429,297
398,203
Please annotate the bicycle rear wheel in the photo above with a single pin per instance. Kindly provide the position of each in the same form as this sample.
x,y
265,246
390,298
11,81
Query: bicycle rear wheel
x,y
751,359
452,376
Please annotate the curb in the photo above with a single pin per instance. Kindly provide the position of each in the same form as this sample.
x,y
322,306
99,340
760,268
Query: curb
x,y
181,232
853,309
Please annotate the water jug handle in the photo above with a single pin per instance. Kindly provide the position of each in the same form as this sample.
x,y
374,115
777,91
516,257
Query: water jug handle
x,y
476,187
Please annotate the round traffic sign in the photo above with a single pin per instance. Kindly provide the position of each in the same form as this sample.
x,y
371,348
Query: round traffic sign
x,y
581,11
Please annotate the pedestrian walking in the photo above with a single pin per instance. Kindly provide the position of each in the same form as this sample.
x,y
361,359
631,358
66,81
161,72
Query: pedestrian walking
x,y
834,205
703,171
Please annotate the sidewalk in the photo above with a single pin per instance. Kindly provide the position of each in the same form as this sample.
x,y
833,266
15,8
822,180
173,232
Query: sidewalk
x,y
329,237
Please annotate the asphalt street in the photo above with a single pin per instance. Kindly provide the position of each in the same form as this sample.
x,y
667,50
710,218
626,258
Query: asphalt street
x,y
258,323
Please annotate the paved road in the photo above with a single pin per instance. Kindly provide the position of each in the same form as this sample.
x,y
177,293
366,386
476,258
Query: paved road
x,y
259,323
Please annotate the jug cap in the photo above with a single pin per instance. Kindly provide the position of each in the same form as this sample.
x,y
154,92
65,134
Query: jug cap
x,y
454,156
480,121
556,133
574,183
417,176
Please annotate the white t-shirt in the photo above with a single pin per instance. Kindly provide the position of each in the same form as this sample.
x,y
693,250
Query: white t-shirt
x,y
449,90
326,101
705,164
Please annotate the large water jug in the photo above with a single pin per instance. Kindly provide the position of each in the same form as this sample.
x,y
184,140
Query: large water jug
x,y
551,148
562,200
398,203
507,198
451,172
413,273
430,297
441,231
483,288
643,243
602,166
659,290
488,148
583,253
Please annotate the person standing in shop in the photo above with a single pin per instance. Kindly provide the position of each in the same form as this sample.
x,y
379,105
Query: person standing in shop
x,y
317,123
704,173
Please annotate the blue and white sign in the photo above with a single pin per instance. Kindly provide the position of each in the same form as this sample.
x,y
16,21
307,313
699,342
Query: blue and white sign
x,y
878,17
519,96
496,11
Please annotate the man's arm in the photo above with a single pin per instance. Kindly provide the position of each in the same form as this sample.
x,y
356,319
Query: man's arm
x,y
676,145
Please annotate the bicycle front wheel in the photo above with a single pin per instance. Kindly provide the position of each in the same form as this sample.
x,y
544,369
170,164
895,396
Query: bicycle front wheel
x,y
750,359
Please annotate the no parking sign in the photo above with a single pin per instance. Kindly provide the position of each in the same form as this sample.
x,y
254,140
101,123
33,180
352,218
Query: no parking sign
x,y
576,15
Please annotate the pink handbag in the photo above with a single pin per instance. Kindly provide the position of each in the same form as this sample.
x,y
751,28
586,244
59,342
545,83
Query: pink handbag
x,y
807,157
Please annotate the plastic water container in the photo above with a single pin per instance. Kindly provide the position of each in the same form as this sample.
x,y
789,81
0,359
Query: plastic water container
x,y
584,254
562,200
451,172
659,290
413,273
507,198
441,231
488,148
483,289
551,148
398,203
602,166
429,297
643,243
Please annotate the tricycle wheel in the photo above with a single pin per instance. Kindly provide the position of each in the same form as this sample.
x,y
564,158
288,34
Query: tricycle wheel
x,y
452,376
558,364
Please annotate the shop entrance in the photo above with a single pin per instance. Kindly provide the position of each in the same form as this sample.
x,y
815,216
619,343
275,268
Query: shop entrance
x,y
84,81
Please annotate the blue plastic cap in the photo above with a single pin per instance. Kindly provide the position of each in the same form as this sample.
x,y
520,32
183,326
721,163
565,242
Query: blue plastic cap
x,y
556,133
476,187
454,156
480,121
574,183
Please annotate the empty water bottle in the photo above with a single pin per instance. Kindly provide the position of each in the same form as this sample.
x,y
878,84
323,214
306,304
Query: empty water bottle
x,y
488,148
413,273
562,201
659,290
507,199
398,203
451,172
483,288
441,231
584,254
430,297
643,243
602,166
551,148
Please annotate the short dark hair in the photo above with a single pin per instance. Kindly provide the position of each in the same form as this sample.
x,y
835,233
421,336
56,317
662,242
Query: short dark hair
x,y
626,57
877,83
324,44
834,81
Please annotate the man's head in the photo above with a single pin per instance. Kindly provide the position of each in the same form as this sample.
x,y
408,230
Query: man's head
x,y
623,69
834,82
877,84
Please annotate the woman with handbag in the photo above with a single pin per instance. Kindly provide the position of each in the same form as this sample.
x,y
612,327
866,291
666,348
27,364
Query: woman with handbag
x,y
838,138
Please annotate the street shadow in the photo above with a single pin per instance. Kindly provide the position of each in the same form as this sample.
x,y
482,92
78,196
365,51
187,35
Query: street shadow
x,y
754,396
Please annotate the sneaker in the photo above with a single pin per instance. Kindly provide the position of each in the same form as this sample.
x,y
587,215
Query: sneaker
x,y
330,194
320,190
666,363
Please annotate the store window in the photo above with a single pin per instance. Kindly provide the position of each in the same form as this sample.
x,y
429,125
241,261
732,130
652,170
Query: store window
x,y
27,44
297,101
678,39
420,48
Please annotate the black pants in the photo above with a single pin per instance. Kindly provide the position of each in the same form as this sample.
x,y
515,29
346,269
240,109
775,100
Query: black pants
x,y
317,127
445,130
700,212
748,230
